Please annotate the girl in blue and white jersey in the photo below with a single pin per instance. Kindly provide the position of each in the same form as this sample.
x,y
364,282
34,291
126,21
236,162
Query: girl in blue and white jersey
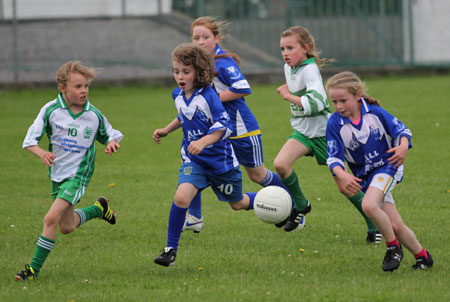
x,y
231,86
207,155
374,144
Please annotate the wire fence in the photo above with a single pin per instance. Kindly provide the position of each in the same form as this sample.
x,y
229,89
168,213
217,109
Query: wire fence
x,y
355,32
133,38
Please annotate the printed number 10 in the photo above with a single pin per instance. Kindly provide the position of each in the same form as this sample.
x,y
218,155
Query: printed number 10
x,y
72,132
227,189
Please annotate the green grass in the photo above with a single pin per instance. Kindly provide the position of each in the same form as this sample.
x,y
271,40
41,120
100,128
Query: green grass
x,y
236,257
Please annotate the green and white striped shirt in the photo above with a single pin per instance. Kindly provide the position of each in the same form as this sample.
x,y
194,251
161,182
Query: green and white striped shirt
x,y
72,138
305,81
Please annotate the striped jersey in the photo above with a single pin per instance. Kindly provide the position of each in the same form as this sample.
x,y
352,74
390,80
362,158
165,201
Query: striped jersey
x,y
72,138
229,77
364,145
201,115
305,81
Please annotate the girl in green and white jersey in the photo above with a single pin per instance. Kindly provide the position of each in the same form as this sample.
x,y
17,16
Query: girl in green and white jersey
x,y
310,110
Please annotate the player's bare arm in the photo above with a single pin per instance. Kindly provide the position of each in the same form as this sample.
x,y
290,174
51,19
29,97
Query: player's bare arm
x,y
46,157
284,92
197,146
163,132
346,181
228,95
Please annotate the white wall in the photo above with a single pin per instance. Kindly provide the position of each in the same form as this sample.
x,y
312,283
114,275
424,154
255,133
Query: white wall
x,y
41,9
430,31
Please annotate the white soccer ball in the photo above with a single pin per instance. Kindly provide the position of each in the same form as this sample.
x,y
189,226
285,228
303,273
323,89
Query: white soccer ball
x,y
272,204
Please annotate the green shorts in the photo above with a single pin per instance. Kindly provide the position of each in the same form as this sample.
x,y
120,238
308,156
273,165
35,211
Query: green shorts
x,y
317,146
69,189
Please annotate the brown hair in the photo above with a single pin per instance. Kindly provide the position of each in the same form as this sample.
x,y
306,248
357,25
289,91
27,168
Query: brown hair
x,y
197,57
217,28
63,73
307,41
350,81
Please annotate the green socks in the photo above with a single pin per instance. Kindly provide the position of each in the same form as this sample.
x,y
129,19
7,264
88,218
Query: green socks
x,y
293,186
43,247
356,201
88,213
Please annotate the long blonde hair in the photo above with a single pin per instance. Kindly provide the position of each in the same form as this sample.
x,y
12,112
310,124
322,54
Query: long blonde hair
x,y
308,42
352,83
217,28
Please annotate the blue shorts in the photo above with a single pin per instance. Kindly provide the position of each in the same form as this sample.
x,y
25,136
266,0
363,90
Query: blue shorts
x,y
226,186
248,150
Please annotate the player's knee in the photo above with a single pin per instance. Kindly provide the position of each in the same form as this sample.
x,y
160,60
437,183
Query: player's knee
x,y
280,166
181,202
256,177
237,205
51,220
368,208
65,230
66,227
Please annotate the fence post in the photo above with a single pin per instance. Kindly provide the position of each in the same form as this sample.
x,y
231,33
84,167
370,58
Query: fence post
x,y
411,34
124,8
200,8
159,3
15,47
382,10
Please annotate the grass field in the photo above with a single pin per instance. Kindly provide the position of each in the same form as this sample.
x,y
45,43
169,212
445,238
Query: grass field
x,y
236,257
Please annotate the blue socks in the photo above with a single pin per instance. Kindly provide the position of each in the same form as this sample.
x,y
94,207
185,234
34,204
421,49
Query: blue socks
x,y
176,221
252,199
195,208
272,179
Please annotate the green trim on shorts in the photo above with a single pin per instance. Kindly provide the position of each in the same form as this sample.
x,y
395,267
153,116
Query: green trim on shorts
x,y
317,146
70,189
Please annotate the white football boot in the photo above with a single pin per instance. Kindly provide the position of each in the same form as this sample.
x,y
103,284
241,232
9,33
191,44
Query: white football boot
x,y
193,223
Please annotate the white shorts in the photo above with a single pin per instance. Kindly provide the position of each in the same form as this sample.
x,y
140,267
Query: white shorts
x,y
386,184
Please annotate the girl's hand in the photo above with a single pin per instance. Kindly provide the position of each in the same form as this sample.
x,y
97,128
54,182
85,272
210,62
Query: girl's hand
x,y
399,152
283,90
158,134
48,158
399,155
112,147
347,182
196,147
